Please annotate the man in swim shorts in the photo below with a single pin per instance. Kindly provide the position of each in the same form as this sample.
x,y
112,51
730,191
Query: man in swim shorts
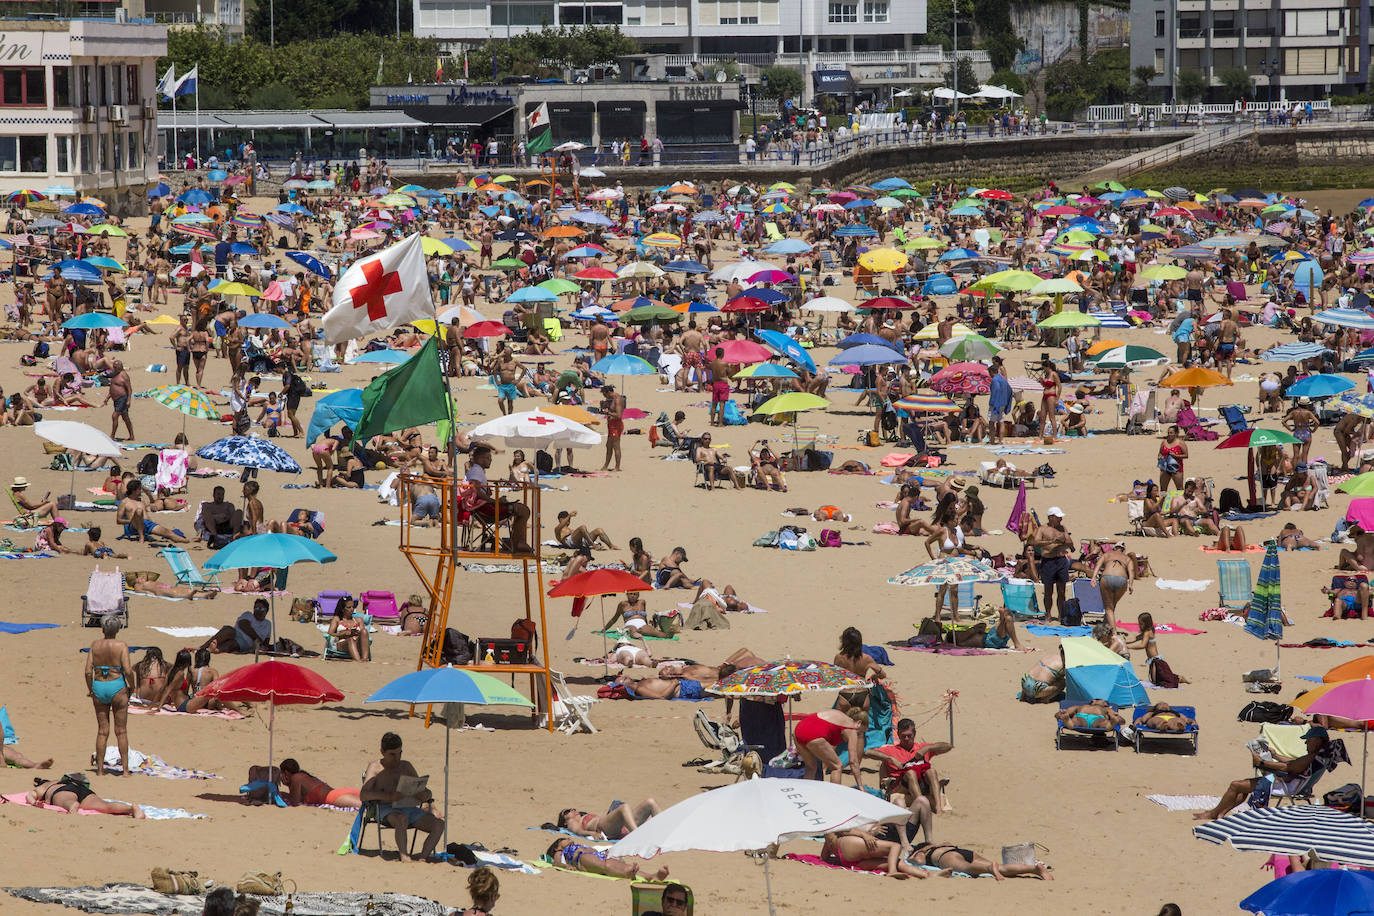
x,y
380,785
121,389
662,688
720,387
506,389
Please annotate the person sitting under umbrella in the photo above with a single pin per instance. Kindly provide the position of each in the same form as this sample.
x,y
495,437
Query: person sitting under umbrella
x,y
252,629
380,784
1288,774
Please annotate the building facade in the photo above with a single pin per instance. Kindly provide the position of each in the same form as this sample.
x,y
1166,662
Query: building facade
x,y
1294,49
694,28
78,107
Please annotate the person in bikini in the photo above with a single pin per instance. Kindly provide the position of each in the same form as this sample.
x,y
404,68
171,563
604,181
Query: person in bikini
x,y
1292,538
634,612
1161,717
860,849
75,794
569,853
950,859
1160,674
414,615
108,683
300,788
614,824
568,536
1115,576
1090,715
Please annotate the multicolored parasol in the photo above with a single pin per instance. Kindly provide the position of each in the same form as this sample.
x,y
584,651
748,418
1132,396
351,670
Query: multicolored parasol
x,y
787,678
948,571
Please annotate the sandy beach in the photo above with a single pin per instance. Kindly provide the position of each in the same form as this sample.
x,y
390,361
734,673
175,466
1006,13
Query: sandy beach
x,y
1111,849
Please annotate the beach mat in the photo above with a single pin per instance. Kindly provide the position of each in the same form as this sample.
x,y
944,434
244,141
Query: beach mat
x,y
17,628
1186,802
134,898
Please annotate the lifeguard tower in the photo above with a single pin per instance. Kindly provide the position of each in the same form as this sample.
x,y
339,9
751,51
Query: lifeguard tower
x,y
474,526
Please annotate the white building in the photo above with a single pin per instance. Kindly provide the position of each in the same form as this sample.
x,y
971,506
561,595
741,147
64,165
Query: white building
x,y
78,107
696,28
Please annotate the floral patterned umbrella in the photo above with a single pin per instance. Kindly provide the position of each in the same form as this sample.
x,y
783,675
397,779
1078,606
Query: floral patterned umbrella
x,y
251,452
948,571
787,678
962,378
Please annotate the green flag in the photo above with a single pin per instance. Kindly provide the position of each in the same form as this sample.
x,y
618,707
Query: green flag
x,y
412,394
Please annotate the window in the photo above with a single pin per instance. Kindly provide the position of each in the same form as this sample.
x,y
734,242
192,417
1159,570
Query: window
x,y
116,84
1311,61
117,160
876,11
453,14
61,87
591,14
133,151
87,87
1159,23
24,154
23,86
663,12
1190,26
1159,60
843,11
86,163
1311,22
131,93
532,14
103,92
64,156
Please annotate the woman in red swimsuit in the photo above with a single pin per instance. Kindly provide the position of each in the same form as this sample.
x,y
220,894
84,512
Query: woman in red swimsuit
x,y
820,733
1172,451
1049,397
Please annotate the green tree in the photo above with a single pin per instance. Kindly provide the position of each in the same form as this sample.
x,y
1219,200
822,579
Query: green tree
x,y
272,96
940,23
299,20
783,82
1190,85
549,51
968,80
1236,83
1008,80
1065,106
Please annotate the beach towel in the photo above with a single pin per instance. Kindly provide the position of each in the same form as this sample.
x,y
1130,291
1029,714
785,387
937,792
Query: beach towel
x,y
1183,585
171,469
186,632
23,555
1018,509
1161,628
152,814
886,528
1041,629
17,628
1186,802
546,864
134,898
1249,548
620,634
817,861
203,714
151,765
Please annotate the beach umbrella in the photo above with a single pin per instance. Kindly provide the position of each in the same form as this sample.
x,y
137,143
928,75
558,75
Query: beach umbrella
x,y
277,684
78,437
1055,286
640,270
1196,377
275,551
344,406
1359,485
754,814
1318,892
962,378
93,320
598,583
970,348
1094,672
1319,386
1129,357
787,678
1295,830
791,402
1294,352
384,357
1359,404
927,403
1264,617
746,303
449,685
532,294
827,304
883,260
766,370
742,352
647,313
185,400
868,355
622,364
1070,319
788,347
538,429
1252,439
1353,699
250,452
265,321
1163,272
948,571
1353,670
1308,276
484,329
860,339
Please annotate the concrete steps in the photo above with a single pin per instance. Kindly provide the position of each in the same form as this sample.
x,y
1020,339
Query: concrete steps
x,y
1205,140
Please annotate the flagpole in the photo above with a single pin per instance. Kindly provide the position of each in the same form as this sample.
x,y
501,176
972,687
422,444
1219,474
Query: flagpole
x,y
197,117
175,155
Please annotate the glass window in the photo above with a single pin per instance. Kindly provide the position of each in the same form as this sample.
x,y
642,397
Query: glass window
x,y
532,14
13,86
117,159
589,14
85,147
87,87
23,86
64,155
134,151
61,87
103,96
116,85
33,154
876,11
9,154
843,11
131,84
1159,23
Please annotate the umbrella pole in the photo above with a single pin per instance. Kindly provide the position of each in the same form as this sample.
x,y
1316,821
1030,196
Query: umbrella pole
x,y
448,736
271,725
605,662
768,881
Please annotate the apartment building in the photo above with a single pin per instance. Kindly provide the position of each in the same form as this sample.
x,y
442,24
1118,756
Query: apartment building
x,y
1296,49
696,28
78,106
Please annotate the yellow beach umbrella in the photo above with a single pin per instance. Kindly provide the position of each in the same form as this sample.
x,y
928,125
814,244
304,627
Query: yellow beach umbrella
x,y
434,246
883,260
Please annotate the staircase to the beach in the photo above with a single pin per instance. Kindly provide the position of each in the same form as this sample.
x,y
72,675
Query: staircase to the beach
x,y
1204,140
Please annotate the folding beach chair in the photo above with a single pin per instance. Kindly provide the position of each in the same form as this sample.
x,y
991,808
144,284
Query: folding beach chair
x,y
966,601
1235,418
647,897
23,518
1321,486
369,814
327,604
570,712
828,260
1111,734
1089,598
1192,427
380,606
1020,598
733,751
1287,741
774,234
104,598
1235,584
1188,737
185,569
554,329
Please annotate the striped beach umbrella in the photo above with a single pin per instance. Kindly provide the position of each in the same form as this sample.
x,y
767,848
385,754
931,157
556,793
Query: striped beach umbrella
x,y
1264,619
1295,830
1111,319
948,571
247,220
1294,352
197,232
926,403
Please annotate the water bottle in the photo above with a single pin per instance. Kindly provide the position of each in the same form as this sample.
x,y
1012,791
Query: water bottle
x,y
489,659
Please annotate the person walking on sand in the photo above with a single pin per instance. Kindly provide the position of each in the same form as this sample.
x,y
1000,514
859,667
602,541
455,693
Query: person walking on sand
x,y
108,684
613,409
121,390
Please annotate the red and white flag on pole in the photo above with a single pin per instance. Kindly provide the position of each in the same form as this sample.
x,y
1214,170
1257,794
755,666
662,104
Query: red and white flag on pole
x,y
379,292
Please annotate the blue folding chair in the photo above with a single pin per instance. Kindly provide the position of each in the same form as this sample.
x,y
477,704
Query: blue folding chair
x,y
1112,734
1089,597
1020,598
1187,737
1235,419
1235,584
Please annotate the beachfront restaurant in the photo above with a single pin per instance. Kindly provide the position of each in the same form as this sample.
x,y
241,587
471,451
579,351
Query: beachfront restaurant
x,y
280,135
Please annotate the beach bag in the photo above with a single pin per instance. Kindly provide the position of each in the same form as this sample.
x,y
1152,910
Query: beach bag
x,y
543,461
732,415
930,627
62,462
1264,711
1229,500
262,774
830,538
806,542
815,460
167,881
458,648
261,884
524,630
1072,613
869,438
1020,853
242,424
1346,798
303,610
1168,464
769,539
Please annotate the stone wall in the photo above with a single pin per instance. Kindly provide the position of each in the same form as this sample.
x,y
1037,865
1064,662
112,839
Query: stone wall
x,y
1279,159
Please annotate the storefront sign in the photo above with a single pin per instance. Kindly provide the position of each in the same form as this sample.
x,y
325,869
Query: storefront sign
x,y
19,48
696,93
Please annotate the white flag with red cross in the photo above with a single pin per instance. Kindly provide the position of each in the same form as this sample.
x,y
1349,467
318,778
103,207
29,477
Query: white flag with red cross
x,y
379,292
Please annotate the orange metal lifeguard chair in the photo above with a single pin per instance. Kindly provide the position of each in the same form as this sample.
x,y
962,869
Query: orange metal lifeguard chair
x,y
470,527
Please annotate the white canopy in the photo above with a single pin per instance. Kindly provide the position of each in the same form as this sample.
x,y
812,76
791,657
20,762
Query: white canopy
x,y
996,92
946,93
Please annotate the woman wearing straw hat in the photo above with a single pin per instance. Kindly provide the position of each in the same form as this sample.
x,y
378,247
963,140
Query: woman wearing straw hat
x,y
19,491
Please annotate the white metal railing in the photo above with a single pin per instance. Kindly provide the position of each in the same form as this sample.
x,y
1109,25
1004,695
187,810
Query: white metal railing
x,y
1109,113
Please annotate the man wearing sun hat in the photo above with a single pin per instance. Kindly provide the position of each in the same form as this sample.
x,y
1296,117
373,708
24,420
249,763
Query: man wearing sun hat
x,y
1053,542
19,493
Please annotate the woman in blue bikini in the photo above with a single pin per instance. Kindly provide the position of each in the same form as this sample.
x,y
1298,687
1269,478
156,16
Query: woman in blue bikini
x,y
107,681
1094,714
569,853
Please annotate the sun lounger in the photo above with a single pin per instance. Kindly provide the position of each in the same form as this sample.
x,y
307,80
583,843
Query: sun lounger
x,y
1234,584
1062,731
185,569
104,597
1143,734
381,607
1021,600
327,603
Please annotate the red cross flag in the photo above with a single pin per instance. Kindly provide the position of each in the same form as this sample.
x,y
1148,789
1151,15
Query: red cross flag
x,y
379,292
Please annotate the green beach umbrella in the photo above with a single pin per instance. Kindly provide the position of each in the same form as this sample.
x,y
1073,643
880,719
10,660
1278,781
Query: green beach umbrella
x,y
1055,286
1163,272
970,348
558,286
509,264
1070,320
1110,186
1129,357
1008,281
1359,485
791,402
650,313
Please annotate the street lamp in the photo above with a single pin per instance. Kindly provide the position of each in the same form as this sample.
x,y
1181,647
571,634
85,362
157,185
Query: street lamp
x,y
753,103
1270,68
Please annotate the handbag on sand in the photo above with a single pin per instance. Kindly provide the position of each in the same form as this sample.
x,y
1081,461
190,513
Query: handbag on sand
x,y
167,881
261,883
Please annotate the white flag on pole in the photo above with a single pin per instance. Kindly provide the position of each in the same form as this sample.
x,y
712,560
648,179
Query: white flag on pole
x,y
379,292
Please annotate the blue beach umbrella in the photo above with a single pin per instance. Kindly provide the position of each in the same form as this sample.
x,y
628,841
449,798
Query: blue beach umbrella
x,y
855,232
457,244
393,357
264,321
344,406
195,196
1296,830
92,320
1308,276
860,339
159,190
76,271
868,355
1296,352
788,246
682,267
274,551
309,262
1319,386
781,343
1094,672
1264,618
622,364
959,254
532,294
83,209
1319,892
939,285
249,452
